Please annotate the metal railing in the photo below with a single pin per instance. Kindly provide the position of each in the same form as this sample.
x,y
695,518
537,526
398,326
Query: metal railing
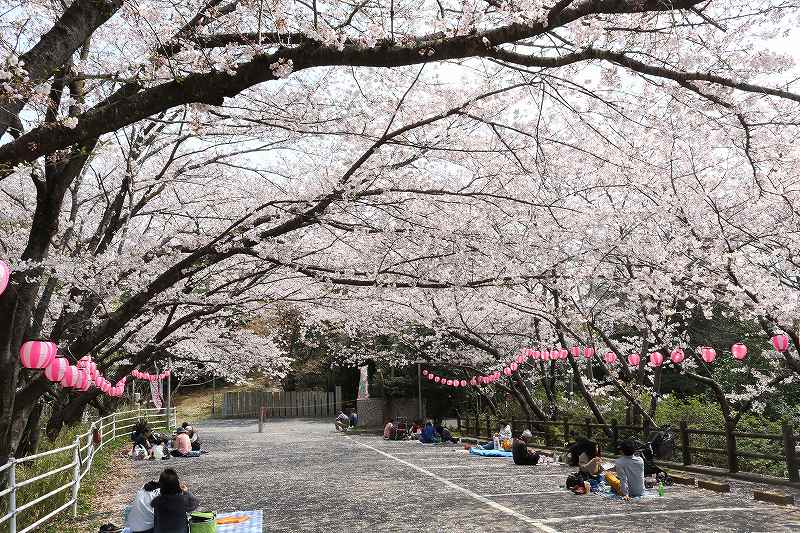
x,y
83,450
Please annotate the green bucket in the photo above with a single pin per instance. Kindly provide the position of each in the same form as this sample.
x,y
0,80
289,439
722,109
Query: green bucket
x,y
202,522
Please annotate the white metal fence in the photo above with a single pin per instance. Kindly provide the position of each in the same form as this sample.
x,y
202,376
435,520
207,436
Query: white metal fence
x,y
82,451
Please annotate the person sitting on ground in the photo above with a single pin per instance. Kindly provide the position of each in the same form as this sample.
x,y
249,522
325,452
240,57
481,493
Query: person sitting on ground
x,y
591,465
194,436
141,438
183,445
388,430
444,434
630,471
140,516
428,434
170,507
416,429
342,421
519,448
353,418
503,433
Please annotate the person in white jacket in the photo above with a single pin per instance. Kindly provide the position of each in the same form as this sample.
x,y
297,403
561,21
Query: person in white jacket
x,y
503,433
140,517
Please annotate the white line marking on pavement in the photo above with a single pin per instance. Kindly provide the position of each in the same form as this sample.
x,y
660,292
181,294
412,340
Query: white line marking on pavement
x,y
562,491
646,513
502,508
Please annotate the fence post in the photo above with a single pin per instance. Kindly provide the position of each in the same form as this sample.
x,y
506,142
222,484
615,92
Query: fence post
x,y
261,419
113,428
614,436
488,427
588,422
788,448
76,483
477,425
12,496
730,447
566,430
458,422
687,458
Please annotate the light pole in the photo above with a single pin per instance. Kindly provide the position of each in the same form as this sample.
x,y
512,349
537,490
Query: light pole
x,y
419,387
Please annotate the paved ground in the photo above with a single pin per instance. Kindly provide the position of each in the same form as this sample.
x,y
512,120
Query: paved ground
x,y
306,477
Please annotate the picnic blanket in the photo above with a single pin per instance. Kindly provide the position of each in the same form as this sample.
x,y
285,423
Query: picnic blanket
x,y
253,525
490,453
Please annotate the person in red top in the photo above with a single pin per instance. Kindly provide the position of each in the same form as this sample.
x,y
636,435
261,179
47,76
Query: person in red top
x,y
183,445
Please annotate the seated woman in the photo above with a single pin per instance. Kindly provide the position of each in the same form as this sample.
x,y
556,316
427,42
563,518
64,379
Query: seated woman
x,y
140,517
590,460
428,433
183,445
388,430
170,507
416,429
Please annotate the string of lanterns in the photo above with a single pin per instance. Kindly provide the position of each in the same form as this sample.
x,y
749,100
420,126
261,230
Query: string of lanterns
x,y
43,355
655,359
150,377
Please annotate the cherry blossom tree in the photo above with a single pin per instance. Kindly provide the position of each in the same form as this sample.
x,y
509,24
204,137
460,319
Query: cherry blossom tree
x,y
170,173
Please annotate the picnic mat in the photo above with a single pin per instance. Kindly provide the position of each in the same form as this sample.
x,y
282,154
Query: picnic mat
x,y
490,453
254,523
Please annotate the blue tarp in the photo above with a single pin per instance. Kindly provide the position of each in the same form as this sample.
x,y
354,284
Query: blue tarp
x,y
490,453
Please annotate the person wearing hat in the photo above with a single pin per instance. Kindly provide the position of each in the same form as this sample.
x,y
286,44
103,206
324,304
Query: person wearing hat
x,y
519,449
183,445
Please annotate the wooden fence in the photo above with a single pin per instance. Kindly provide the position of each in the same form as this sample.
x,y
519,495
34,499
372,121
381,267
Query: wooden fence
x,y
557,433
288,404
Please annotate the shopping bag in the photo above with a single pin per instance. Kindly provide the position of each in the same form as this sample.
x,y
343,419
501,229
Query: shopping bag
x,y
202,522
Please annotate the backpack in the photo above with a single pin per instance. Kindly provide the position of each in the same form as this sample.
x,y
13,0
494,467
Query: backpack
x,y
202,522
576,479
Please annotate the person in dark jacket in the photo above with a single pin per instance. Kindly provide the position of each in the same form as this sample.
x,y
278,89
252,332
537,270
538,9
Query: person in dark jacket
x,y
519,449
171,506
428,434
444,434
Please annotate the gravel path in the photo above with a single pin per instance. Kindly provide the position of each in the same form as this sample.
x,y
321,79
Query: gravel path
x,y
306,477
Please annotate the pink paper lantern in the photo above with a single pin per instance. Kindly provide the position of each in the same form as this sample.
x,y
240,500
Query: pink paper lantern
x,y
576,351
656,359
536,354
507,371
5,275
545,355
83,380
56,370
463,383
437,379
610,358
473,381
677,355
739,351
588,352
424,372
563,353
449,382
708,354
634,359
780,342
84,361
514,367
430,377
36,354
520,359
71,377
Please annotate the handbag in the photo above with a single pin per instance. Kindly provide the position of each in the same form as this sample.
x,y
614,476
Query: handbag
x,y
202,522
